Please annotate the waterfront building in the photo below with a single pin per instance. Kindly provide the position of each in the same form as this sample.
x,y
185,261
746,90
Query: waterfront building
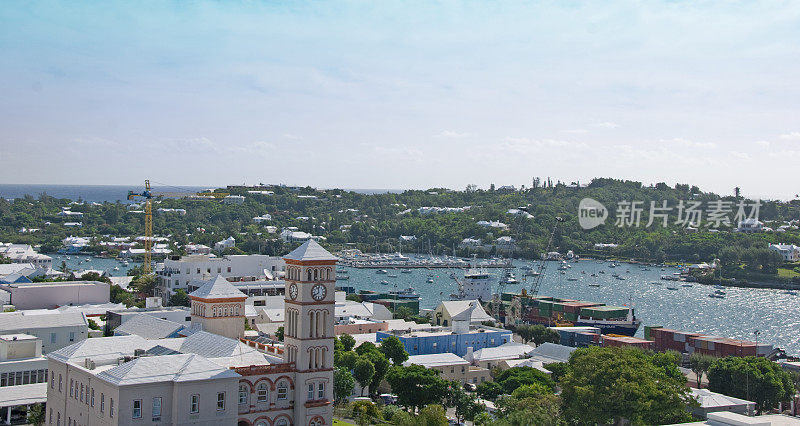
x,y
25,254
55,329
49,295
789,252
471,310
457,339
176,273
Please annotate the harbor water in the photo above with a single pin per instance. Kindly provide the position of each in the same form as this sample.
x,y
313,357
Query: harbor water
x,y
743,310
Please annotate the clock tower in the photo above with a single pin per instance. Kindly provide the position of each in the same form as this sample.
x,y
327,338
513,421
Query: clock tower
x,y
308,331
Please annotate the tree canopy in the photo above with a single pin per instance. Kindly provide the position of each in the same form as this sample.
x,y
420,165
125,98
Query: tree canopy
x,y
417,386
755,379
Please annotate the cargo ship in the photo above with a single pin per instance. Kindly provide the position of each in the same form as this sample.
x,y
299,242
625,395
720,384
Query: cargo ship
x,y
551,311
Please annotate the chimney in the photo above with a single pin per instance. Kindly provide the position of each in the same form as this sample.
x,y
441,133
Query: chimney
x,y
470,356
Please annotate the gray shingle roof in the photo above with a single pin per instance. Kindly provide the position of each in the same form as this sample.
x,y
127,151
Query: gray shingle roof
x,y
149,327
310,250
217,288
102,348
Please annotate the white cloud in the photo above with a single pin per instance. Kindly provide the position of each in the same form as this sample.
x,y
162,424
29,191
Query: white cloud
x,y
292,137
762,143
793,136
741,155
454,134
692,144
609,125
576,131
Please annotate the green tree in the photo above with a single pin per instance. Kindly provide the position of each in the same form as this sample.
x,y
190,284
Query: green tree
x,y
346,360
489,390
416,386
180,298
365,412
94,276
530,405
394,350
347,341
512,378
610,385
343,383
402,418
700,363
381,365
119,295
433,415
464,403
557,370
279,334
36,415
755,379
365,348
363,373
542,334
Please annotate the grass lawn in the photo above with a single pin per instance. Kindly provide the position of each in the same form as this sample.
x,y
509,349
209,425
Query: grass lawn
x,y
341,423
787,273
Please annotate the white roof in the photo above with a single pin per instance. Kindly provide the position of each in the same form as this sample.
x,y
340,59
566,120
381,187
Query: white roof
x,y
217,288
350,308
505,351
149,327
551,352
527,363
435,360
725,418
166,368
40,319
708,399
457,307
107,348
23,395
310,250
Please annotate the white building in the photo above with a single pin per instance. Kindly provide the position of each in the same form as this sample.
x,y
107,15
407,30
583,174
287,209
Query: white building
x,y
229,242
55,329
789,252
197,249
162,210
492,224
70,214
266,217
471,243
24,253
49,295
505,243
178,273
233,199
750,226
21,360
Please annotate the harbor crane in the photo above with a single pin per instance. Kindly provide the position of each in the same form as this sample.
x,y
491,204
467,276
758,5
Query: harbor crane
x,y
148,196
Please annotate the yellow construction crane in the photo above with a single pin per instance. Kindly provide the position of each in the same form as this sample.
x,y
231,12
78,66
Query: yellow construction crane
x,y
148,213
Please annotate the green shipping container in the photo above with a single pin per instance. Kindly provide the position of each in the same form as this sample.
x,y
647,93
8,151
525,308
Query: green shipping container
x,y
648,335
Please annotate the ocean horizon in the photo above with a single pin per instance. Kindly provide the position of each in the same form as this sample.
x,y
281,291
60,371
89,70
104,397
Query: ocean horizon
x,y
114,193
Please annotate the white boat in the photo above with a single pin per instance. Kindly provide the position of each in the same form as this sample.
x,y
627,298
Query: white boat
x,y
116,268
384,282
381,271
476,284
405,271
430,280
392,275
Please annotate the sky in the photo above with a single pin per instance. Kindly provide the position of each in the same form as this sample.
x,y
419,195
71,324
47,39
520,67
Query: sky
x,y
411,94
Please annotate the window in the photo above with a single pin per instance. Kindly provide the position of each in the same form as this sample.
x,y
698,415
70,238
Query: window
x,y
261,392
71,387
321,391
195,405
157,407
229,269
92,404
52,380
111,407
243,395
71,336
52,337
281,422
102,403
59,382
81,392
220,401
137,409
310,391
282,390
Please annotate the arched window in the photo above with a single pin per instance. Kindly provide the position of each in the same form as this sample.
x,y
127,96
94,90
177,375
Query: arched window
x,y
328,273
309,274
283,390
244,394
214,312
311,358
311,324
315,274
317,326
262,423
262,392
324,351
281,422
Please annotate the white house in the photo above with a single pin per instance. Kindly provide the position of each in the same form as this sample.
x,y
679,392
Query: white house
x,y
470,243
233,199
750,225
224,244
24,253
789,252
266,217
492,224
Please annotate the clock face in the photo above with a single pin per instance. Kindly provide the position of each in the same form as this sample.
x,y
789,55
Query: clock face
x,y
293,291
318,292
